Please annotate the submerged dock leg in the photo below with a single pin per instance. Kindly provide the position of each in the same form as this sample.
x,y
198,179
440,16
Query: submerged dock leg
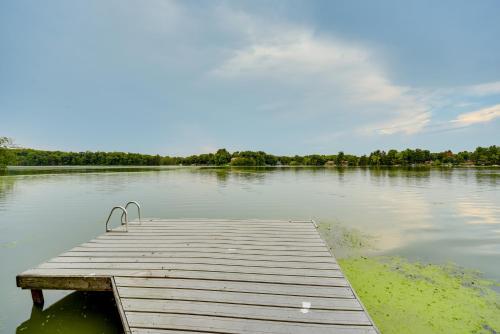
x,y
37,296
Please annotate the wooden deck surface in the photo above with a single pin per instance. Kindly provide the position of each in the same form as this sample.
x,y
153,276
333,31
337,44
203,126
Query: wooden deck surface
x,y
212,276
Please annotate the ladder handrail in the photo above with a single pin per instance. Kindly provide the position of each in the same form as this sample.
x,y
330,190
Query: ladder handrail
x,y
124,213
138,210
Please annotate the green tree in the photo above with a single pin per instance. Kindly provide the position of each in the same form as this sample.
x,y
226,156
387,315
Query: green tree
x,y
392,158
363,160
339,160
7,157
375,158
222,157
243,161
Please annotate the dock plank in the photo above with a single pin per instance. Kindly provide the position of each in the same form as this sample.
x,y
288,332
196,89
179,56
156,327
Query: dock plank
x,y
245,287
285,314
203,250
205,255
206,242
198,267
224,276
208,245
239,298
235,325
209,261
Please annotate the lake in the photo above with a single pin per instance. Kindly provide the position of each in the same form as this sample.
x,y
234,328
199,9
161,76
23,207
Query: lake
x,y
430,215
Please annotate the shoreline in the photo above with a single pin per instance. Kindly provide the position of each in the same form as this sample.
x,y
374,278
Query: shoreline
x,y
84,169
52,170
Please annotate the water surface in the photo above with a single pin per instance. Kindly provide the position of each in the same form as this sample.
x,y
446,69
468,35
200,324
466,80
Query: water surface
x,y
431,215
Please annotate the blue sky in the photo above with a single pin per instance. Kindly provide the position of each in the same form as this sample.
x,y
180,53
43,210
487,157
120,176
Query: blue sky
x,y
285,77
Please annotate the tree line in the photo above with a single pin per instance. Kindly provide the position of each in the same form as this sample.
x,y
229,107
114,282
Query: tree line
x,y
11,155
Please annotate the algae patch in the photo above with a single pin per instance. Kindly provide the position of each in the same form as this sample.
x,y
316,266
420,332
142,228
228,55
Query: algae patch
x,y
345,241
406,297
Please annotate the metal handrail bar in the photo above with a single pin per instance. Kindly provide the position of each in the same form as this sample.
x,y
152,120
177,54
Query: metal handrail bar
x,y
138,210
124,213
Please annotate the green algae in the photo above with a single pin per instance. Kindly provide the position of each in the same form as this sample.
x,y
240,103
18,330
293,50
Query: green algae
x,y
344,241
408,297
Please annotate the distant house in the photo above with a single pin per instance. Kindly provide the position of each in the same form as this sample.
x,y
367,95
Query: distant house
x,y
330,163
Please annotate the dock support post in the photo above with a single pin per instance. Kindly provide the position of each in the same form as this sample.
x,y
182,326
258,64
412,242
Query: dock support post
x,y
37,296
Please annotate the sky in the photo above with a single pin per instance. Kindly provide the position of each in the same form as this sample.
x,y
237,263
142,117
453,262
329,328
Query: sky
x,y
285,77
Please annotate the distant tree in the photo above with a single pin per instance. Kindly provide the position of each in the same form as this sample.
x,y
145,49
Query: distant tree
x,y
375,158
339,159
351,160
363,160
315,160
243,161
270,160
6,142
392,158
222,157
7,156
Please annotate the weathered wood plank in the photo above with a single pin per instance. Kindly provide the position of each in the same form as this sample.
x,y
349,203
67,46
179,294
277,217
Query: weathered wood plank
x,y
119,306
221,224
202,250
301,313
213,275
224,223
208,232
247,287
197,267
123,238
208,261
285,226
206,255
166,331
163,242
215,222
275,232
55,282
202,236
234,325
243,298
207,245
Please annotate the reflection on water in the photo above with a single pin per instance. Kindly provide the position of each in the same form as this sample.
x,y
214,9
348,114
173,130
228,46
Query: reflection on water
x,y
477,213
6,188
432,215
65,316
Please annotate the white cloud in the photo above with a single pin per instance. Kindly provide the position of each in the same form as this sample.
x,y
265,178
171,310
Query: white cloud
x,y
289,53
344,77
484,115
489,88
406,123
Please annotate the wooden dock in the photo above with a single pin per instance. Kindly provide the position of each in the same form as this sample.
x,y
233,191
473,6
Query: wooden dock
x,y
211,276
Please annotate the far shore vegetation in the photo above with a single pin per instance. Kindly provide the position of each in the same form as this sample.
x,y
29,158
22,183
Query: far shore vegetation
x,y
15,156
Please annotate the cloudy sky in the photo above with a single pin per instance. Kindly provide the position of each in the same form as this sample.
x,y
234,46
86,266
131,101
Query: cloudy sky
x,y
285,77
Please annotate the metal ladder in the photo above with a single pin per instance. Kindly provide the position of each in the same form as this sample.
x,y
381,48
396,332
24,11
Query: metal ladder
x,y
124,216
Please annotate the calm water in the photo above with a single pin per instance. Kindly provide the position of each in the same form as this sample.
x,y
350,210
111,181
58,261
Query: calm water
x,y
431,215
